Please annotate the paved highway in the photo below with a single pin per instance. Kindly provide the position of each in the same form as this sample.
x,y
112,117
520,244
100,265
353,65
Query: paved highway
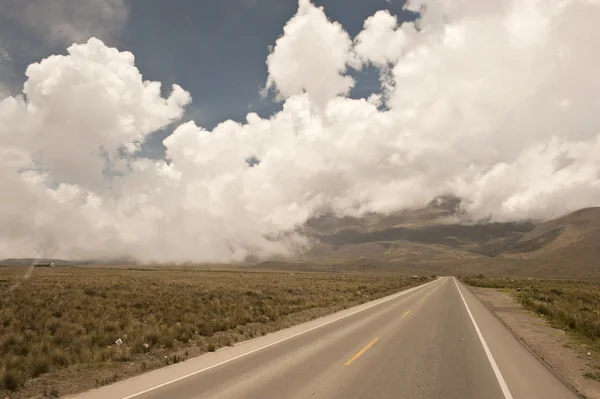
x,y
432,341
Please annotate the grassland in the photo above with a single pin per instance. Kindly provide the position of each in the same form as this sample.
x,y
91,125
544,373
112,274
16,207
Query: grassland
x,y
60,326
571,305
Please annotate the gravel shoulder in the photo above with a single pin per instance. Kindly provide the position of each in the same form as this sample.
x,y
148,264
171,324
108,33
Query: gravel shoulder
x,y
566,356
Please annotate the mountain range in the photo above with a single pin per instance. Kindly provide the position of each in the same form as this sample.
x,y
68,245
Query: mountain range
x,y
440,238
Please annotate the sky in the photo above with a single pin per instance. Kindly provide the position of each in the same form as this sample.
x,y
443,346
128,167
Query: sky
x,y
212,131
216,50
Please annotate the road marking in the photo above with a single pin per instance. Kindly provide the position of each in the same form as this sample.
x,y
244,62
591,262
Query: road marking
x,y
421,300
497,372
406,314
183,377
360,352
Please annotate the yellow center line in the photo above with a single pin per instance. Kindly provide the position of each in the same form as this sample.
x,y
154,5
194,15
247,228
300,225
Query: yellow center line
x,y
406,314
421,300
363,350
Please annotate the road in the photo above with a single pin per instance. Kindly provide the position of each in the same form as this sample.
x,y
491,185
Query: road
x,y
432,341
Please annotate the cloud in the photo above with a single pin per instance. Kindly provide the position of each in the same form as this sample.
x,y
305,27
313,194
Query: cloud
x,y
63,22
312,56
5,70
493,101
83,116
382,42
31,29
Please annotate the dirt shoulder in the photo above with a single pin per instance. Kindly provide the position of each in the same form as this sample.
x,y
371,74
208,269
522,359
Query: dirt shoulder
x,y
566,356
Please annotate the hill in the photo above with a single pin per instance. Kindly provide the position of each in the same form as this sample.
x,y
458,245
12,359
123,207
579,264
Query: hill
x,y
32,261
576,232
438,232
569,244
440,239
62,262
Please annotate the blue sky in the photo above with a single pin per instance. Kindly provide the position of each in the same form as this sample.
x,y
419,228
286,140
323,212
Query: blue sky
x,y
217,50
214,49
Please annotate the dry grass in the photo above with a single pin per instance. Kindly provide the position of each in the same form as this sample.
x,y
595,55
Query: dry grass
x,y
571,305
62,323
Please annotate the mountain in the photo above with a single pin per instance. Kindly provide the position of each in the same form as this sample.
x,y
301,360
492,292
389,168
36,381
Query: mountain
x,y
440,238
573,237
438,232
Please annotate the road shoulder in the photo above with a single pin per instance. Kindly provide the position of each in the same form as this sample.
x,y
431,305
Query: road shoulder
x,y
561,353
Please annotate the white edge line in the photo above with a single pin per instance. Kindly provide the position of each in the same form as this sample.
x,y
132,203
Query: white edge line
x,y
497,372
380,301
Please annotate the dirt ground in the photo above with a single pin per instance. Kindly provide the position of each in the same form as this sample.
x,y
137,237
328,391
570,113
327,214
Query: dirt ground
x,y
567,357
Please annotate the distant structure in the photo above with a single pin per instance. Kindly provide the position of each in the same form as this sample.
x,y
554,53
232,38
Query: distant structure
x,y
43,264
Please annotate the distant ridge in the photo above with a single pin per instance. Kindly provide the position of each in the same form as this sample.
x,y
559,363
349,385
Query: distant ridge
x,y
437,239
32,261
438,236
63,262
572,238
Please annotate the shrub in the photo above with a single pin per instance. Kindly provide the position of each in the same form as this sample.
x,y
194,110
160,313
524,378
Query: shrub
x,y
572,305
157,313
38,365
10,380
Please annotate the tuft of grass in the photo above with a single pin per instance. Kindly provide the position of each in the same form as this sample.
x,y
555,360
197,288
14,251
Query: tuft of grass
x,y
73,317
592,376
10,380
50,392
107,380
38,365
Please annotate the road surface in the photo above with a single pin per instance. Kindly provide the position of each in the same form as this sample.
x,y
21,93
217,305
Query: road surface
x,y
432,341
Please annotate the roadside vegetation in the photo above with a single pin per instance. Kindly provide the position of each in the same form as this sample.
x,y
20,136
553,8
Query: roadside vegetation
x,y
571,305
89,327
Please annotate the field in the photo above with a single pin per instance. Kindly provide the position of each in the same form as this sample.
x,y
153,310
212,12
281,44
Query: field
x,y
60,327
571,305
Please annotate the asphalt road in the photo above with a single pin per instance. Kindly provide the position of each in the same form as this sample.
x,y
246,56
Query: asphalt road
x,y
433,341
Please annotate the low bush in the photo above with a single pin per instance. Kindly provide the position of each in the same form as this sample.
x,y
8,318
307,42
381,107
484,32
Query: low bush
x,y
65,317
572,305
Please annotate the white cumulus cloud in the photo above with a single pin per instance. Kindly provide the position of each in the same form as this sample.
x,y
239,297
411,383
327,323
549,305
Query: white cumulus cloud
x,y
494,101
312,56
